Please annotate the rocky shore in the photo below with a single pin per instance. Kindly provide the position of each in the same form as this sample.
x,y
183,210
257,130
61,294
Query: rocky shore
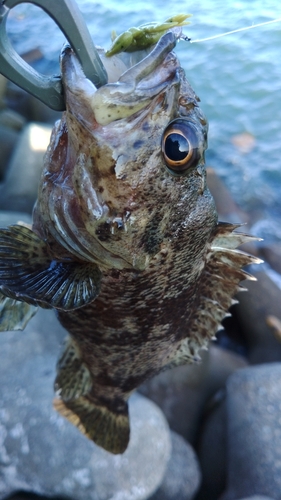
x,y
210,431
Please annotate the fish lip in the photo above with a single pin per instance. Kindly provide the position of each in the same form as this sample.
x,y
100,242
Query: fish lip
x,y
76,87
164,46
134,89
70,62
66,48
153,60
139,85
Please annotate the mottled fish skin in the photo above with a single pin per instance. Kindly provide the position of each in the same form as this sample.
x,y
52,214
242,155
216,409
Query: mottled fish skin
x,y
109,200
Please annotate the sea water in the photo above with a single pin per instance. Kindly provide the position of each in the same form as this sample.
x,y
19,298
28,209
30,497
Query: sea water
x,y
238,79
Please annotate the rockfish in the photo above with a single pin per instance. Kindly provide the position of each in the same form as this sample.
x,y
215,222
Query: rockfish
x,y
125,243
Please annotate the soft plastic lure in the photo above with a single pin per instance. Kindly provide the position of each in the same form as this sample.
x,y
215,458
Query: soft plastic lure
x,y
145,35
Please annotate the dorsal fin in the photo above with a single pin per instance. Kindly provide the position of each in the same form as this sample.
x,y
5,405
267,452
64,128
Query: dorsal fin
x,y
108,429
219,282
29,273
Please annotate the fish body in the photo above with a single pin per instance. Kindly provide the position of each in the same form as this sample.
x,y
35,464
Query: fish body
x,y
125,242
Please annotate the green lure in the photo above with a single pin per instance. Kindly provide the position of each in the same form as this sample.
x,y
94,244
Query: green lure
x,y
144,36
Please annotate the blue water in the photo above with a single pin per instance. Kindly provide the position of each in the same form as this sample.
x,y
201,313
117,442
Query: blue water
x,y
238,79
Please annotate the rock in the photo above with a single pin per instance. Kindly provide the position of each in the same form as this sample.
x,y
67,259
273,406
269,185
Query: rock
x,y
178,392
254,432
32,55
231,337
256,497
262,300
183,476
227,209
212,451
3,86
31,496
183,392
42,113
7,218
11,119
272,254
43,453
18,192
18,100
212,444
275,325
221,364
8,140
28,106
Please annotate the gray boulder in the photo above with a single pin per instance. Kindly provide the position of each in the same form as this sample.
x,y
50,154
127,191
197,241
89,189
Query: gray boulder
x,y
256,497
263,299
183,392
18,192
178,392
212,449
11,119
254,432
272,254
43,453
183,476
8,218
8,139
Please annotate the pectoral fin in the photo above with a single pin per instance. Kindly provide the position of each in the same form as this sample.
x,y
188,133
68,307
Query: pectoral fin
x,y
29,273
14,315
106,428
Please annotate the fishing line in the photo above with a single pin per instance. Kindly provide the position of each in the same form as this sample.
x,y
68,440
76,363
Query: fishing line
x,y
233,31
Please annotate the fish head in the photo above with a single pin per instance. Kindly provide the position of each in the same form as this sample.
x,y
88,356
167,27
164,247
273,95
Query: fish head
x,y
124,172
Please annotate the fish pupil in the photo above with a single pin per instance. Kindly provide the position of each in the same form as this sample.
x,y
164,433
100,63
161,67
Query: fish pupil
x,y
176,147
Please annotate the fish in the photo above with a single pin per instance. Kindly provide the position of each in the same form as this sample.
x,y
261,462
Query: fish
x,y
125,243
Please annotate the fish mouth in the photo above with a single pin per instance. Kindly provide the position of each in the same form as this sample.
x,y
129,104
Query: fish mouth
x,y
135,87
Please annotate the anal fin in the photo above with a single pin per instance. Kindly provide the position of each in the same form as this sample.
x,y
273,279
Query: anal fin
x,y
73,379
29,273
107,428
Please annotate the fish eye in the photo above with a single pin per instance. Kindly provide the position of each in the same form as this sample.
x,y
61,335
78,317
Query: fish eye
x,y
181,146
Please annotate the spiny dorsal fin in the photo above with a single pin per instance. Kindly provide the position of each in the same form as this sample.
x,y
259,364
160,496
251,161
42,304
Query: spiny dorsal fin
x,y
223,272
73,379
106,428
219,282
29,273
14,315
221,277
225,236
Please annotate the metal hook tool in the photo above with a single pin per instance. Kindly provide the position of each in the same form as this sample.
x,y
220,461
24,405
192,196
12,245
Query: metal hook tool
x,y
49,90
